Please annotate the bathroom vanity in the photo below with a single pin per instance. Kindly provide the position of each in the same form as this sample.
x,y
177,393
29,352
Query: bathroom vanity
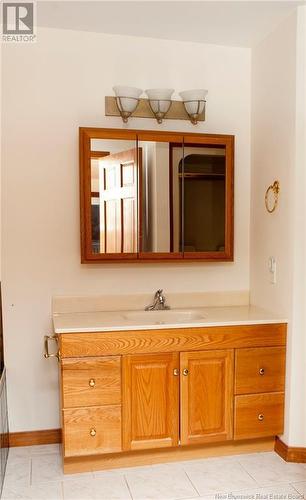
x,y
133,386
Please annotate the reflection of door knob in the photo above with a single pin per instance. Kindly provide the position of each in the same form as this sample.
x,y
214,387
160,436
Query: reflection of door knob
x,y
176,372
92,432
185,372
92,382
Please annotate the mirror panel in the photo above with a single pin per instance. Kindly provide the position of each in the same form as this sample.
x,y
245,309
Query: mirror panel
x,y
203,172
160,212
114,196
156,195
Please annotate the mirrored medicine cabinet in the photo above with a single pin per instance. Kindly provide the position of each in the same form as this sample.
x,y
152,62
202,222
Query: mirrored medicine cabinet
x,y
156,196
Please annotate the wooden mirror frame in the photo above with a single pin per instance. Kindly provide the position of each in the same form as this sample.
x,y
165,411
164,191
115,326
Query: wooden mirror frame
x,y
85,136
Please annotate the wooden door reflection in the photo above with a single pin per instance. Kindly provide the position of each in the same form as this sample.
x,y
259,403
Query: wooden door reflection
x,y
118,202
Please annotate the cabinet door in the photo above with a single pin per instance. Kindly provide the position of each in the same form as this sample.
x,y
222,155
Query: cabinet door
x,y
150,401
206,396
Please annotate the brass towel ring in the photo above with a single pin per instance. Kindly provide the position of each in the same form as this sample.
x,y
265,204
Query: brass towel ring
x,y
275,188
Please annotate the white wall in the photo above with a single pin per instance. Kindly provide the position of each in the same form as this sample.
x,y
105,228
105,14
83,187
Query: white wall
x,y
0,158
296,408
278,152
50,89
273,157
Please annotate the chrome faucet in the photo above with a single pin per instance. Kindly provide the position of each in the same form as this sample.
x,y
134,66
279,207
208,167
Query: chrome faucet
x,y
159,302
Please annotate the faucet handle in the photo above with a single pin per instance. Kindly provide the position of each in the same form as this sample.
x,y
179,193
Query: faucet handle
x,y
159,292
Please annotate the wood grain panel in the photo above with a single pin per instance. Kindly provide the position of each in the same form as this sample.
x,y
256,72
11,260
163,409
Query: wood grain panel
x,y
91,382
260,370
150,401
105,421
207,396
208,139
160,136
171,340
248,412
117,133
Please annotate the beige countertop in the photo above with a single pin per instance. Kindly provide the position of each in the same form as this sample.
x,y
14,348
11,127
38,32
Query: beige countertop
x,y
99,321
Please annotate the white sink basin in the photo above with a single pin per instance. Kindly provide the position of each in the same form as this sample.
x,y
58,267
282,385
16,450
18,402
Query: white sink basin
x,y
164,316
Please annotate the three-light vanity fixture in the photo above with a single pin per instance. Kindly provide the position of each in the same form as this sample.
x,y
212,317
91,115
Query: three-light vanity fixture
x,y
158,104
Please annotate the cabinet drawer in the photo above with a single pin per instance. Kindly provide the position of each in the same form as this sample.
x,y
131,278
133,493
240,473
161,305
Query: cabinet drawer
x,y
260,370
91,382
90,431
259,415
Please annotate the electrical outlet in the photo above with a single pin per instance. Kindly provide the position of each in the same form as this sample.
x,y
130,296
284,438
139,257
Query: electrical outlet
x,y
272,270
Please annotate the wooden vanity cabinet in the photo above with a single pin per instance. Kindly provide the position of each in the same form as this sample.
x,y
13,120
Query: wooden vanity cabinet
x,y
206,396
91,402
91,381
150,400
260,370
259,392
124,392
259,415
92,430
160,388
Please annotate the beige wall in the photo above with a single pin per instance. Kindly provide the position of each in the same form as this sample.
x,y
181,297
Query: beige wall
x,y
51,88
273,157
279,152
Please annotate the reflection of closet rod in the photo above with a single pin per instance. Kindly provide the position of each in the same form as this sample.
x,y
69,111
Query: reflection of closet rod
x,y
200,175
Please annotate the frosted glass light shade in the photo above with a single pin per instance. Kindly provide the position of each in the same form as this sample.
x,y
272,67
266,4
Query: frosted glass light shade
x,y
194,102
127,99
160,102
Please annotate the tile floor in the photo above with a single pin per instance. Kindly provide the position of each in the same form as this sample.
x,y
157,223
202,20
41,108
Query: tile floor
x,y
34,473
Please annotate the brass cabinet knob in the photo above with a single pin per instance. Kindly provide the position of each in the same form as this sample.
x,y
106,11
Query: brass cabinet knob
x,y
176,372
185,372
260,417
92,432
92,382
261,371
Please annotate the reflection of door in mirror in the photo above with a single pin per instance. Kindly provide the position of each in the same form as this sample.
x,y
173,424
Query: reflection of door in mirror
x,y
114,188
158,218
